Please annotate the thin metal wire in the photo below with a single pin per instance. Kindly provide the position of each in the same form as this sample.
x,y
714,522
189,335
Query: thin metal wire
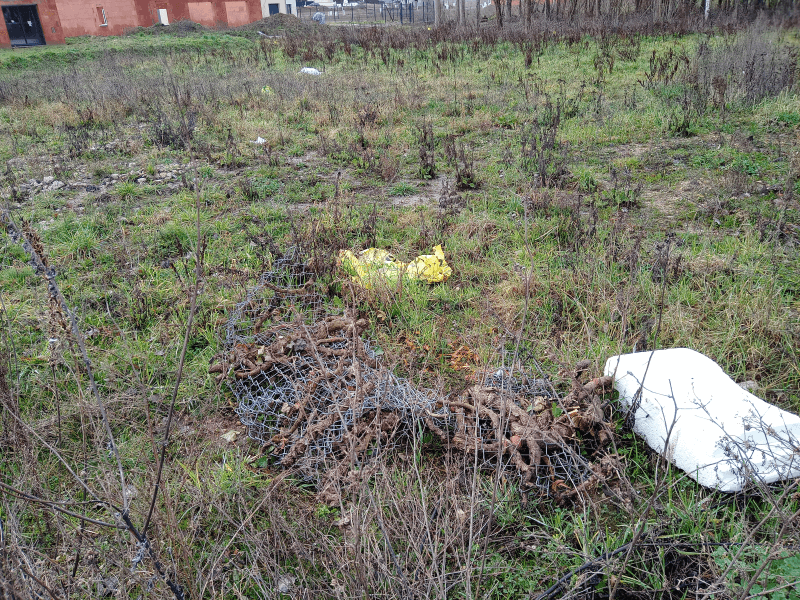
x,y
313,410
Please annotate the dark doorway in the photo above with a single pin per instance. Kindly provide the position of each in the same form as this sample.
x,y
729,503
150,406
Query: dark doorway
x,y
23,25
274,9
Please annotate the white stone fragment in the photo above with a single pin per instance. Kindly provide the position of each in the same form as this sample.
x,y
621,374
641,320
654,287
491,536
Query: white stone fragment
x,y
723,437
285,584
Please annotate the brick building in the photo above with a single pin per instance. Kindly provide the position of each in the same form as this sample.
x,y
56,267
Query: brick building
x,y
30,24
37,22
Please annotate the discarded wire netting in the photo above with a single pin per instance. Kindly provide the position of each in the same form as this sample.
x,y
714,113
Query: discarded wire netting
x,y
515,420
282,293
310,388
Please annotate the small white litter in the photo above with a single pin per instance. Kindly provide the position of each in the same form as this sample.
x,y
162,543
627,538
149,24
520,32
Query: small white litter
x,y
310,71
723,437
230,437
285,584
259,140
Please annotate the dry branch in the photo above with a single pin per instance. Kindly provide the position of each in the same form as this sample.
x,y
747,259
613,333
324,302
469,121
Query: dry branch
x,y
320,401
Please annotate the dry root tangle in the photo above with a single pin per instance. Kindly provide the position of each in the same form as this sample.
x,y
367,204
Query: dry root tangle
x,y
318,399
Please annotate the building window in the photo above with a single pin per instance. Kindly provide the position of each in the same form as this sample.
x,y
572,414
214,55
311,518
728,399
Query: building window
x,y
101,14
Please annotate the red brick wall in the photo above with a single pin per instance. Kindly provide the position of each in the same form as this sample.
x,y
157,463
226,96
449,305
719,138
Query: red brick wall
x,y
176,11
69,18
202,12
48,17
236,13
81,17
213,12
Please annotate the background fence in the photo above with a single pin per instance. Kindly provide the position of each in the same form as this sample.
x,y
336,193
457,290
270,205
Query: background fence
x,y
402,13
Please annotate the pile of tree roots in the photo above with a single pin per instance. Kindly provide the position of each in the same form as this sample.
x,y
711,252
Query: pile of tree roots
x,y
314,393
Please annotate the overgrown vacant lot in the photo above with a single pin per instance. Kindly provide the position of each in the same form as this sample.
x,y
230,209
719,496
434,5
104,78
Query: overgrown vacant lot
x,y
594,195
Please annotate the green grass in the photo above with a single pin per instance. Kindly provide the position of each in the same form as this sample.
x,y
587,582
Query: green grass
x,y
80,49
570,272
403,189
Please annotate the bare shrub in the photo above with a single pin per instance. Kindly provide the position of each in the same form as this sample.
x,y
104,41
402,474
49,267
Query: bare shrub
x,y
173,131
388,166
624,194
462,159
13,437
543,155
450,205
745,68
664,67
427,151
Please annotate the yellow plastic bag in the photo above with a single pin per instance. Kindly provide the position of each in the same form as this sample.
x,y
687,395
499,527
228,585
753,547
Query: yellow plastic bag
x,y
374,265
432,268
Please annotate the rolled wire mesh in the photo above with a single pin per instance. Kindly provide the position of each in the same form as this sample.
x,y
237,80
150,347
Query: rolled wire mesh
x,y
327,397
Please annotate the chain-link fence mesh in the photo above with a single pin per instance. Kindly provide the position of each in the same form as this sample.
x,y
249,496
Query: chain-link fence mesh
x,y
316,394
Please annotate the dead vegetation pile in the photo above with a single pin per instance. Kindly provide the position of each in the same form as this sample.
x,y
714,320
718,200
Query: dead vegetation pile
x,y
276,25
315,394
181,28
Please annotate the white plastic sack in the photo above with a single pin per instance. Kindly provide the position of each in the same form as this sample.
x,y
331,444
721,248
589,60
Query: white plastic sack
x,y
723,436
310,71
